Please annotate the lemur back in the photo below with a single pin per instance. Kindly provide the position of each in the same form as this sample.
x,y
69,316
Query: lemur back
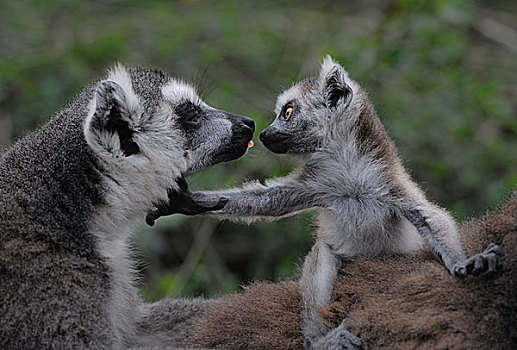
x,y
350,173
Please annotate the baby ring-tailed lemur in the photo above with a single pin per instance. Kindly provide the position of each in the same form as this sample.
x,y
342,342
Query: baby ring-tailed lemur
x,y
352,174
70,194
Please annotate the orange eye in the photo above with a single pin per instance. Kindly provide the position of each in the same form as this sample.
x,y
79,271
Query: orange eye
x,y
288,113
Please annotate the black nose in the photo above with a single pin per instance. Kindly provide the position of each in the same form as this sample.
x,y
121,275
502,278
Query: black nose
x,y
262,135
248,122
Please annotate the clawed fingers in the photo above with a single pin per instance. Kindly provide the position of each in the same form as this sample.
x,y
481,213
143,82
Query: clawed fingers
x,y
487,263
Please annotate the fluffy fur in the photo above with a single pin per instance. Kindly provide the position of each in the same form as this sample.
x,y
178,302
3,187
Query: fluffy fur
x,y
391,302
351,174
70,194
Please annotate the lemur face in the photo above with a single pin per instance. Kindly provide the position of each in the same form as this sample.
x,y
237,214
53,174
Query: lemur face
x,y
144,114
306,112
211,135
149,128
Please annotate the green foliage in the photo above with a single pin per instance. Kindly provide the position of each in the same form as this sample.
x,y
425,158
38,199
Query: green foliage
x,y
443,85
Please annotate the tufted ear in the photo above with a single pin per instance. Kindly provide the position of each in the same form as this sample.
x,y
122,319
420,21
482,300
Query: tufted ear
x,y
336,91
109,127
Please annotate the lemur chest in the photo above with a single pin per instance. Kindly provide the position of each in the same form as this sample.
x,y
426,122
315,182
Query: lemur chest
x,y
363,213
355,190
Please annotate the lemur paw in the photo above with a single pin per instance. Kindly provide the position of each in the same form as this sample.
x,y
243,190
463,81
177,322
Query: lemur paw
x,y
338,339
186,202
487,263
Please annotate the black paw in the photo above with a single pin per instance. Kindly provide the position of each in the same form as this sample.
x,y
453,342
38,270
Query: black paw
x,y
487,263
184,201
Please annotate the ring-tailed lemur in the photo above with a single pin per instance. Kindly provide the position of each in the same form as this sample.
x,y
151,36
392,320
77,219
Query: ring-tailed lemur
x,y
70,194
352,174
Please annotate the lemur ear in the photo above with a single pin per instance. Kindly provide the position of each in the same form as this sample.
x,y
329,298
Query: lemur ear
x,y
335,89
110,123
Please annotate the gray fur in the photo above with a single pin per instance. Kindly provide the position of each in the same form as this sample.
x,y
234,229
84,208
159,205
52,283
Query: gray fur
x,y
351,174
70,194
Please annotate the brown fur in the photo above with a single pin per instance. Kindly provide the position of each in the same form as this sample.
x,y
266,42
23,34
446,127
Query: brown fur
x,y
400,302
265,316
370,135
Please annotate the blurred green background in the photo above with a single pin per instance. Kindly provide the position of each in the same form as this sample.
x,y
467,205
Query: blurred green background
x,y
442,74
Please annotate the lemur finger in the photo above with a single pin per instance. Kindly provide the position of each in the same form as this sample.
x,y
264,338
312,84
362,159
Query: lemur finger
x,y
182,183
357,342
478,265
460,271
492,264
499,263
345,322
494,248
499,255
491,245
151,217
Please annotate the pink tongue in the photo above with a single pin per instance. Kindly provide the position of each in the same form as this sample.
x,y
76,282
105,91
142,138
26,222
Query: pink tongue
x,y
250,144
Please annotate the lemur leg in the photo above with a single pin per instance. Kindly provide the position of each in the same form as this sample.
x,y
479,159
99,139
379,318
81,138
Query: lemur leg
x,y
316,284
439,231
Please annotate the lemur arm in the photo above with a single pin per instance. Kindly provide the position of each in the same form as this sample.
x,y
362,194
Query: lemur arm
x,y
439,231
275,200
253,201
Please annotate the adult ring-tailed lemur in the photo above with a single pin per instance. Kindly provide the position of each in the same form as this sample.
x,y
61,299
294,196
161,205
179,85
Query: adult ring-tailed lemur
x,y
70,194
351,173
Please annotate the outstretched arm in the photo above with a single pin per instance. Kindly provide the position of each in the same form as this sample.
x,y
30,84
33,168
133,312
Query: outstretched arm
x,y
250,202
255,200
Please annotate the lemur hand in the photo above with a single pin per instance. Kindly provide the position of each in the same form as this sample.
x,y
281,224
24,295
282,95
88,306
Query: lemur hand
x,y
487,263
184,201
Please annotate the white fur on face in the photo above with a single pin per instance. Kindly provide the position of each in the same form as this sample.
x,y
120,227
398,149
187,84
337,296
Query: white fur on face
x,y
288,95
176,91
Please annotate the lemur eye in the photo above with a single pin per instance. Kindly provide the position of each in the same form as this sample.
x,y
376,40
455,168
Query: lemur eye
x,y
189,114
288,112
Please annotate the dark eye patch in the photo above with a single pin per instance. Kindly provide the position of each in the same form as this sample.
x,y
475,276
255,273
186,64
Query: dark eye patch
x,y
189,114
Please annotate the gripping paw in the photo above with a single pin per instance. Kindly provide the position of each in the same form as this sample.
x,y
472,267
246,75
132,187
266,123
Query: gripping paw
x,y
339,339
487,263
184,201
